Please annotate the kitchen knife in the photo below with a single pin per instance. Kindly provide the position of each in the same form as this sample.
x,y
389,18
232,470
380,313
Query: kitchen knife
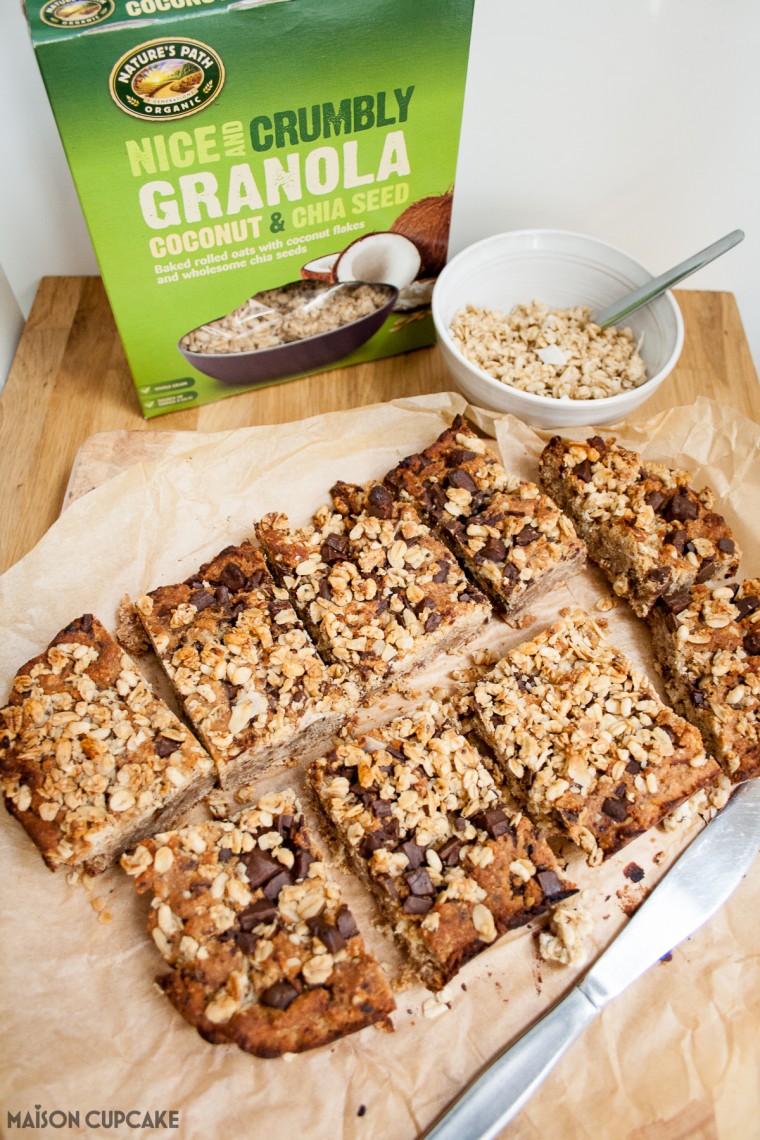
x,y
697,885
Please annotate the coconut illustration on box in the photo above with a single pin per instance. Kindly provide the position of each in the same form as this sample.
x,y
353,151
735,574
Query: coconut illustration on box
x,y
340,301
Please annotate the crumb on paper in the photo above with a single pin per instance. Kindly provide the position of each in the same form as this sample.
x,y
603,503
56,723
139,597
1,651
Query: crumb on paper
x,y
566,939
605,604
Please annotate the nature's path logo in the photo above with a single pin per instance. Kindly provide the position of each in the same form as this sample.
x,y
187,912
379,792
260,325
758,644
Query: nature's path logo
x,y
167,78
76,13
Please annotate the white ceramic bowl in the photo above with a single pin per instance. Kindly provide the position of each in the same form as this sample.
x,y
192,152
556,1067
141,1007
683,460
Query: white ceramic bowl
x,y
560,269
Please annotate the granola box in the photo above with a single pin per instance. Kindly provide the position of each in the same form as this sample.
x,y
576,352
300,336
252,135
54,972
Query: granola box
x,y
268,185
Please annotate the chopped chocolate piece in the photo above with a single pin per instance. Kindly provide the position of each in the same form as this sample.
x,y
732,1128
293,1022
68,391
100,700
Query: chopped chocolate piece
x,y
164,746
433,622
419,882
201,599
280,995
263,910
232,577
727,545
550,883
583,471
674,603
654,499
459,478
706,570
494,550
414,853
681,507
274,885
460,455
245,940
334,548
380,502
492,820
328,933
449,852
633,872
417,904
615,809
345,923
746,605
527,535
751,643
259,867
598,444
677,539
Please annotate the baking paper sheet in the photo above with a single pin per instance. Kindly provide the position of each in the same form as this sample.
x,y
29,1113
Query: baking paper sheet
x,y
86,1031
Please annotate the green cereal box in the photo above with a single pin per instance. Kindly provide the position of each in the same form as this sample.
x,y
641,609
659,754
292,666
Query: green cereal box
x,y
268,185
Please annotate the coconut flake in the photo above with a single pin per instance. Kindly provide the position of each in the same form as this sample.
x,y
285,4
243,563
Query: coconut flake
x,y
552,354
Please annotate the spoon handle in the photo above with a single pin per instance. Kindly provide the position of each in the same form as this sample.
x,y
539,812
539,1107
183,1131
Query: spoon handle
x,y
645,293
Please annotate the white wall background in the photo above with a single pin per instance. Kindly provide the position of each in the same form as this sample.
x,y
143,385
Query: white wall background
x,y
634,120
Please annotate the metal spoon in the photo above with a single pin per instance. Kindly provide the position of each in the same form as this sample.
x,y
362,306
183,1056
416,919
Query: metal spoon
x,y
618,310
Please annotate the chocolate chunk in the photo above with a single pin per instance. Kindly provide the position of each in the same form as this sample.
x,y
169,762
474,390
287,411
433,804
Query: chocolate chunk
x,y
380,502
583,471
706,570
659,575
442,573
255,579
459,455
419,882
494,550
416,904
273,887
388,885
677,539
334,548
283,823
262,910
510,573
675,603
433,621
414,853
527,535
633,872
371,842
302,862
550,883
598,444
279,996
344,920
246,941
324,590
621,791
698,698
448,852
524,681
681,507
259,868
224,854
492,820
327,933
751,643
615,809
654,499
633,767
232,577
201,599
461,479
727,545
460,823
392,750
746,605
381,808
164,747
222,595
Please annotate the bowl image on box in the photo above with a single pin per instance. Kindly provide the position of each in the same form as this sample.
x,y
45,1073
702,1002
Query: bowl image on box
x,y
298,327
561,270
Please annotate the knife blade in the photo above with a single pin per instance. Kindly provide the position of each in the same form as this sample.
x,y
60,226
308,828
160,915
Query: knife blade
x,y
695,887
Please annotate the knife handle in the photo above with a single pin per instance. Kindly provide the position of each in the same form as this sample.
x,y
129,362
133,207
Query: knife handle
x,y
498,1094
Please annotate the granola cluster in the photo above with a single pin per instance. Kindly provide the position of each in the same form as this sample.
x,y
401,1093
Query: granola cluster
x,y
559,353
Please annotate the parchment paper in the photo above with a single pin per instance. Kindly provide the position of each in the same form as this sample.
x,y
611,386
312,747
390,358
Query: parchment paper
x,y
85,1028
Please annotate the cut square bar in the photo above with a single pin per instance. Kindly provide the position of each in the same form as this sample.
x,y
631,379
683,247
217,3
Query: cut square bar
x,y
91,761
